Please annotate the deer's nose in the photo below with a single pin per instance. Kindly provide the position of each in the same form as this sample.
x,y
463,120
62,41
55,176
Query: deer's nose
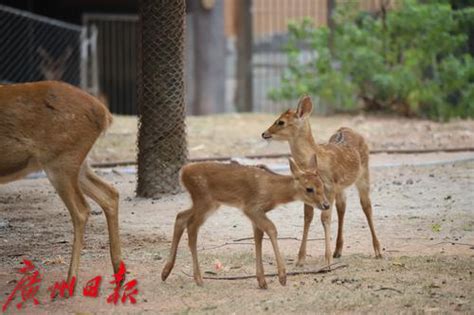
x,y
265,135
326,205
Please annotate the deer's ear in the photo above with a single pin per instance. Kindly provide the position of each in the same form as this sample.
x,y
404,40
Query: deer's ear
x,y
295,170
313,162
305,107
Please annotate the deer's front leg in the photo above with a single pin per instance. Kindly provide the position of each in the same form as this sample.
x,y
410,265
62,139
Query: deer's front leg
x,y
326,216
258,236
341,210
264,223
308,218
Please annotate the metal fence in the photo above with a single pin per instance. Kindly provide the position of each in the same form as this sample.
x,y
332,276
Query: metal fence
x,y
116,59
36,48
117,55
270,20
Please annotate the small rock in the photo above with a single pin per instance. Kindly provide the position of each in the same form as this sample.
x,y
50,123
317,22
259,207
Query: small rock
x,y
4,224
396,182
409,181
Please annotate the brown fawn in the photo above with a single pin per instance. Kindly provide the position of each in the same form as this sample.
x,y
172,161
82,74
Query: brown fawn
x,y
52,126
341,162
255,190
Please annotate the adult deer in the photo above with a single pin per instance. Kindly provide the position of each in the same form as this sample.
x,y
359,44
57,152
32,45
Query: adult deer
x,y
255,190
52,126
341,162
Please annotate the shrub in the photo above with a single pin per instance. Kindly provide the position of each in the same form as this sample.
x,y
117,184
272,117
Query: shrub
x,y
411,61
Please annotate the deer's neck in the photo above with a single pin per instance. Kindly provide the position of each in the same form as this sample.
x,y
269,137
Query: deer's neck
x,y
283,190
302,145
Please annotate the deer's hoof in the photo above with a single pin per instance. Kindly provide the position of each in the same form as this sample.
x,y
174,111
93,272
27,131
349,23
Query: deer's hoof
x,y
282,279
336,255
300,262
378,256
262,284
199,281
166,272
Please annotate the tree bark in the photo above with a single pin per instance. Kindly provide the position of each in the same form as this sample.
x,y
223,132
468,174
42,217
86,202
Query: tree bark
x,y
161,139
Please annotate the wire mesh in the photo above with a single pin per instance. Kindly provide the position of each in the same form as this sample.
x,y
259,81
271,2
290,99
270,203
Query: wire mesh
x,y
36,48
162,137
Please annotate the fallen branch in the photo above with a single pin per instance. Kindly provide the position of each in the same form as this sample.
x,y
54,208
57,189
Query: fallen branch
x,y
279,238
452,243
390,289
324,269
237,241
286,155
225,244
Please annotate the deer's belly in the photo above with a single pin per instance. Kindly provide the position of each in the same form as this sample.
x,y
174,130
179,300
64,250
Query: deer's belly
x,y
13,170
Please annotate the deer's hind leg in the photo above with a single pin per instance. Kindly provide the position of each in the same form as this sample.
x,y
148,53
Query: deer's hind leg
x,y
197,218
107,198
179,226
363,186
66,182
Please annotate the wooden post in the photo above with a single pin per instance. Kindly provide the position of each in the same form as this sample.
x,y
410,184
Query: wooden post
x,y
330,6
244,92
209,57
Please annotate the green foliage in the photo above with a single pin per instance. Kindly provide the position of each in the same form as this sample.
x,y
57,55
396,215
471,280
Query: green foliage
x,y
436,227
411,60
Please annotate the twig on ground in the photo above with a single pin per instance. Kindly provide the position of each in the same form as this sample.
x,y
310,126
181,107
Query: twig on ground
x,y
390,289
327,268
238,241
226,244
452,243
279,238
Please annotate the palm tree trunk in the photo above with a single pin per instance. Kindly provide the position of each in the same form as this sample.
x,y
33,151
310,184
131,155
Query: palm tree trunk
x,y
162,139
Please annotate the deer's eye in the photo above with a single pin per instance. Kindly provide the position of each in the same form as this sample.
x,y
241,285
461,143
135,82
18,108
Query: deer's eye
x,y
310,190
280,123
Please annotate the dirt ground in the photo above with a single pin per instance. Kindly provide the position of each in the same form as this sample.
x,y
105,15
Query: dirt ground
x,y
423,209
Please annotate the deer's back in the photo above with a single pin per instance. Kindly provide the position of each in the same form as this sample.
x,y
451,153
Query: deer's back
x,y
42,120
347,137
345,157
232,184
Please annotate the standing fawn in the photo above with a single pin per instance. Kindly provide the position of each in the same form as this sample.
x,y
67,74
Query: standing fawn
x,y
341,162
255,190
52,126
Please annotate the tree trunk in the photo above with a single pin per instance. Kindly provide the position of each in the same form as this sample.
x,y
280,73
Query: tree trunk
x,y
161,138
209,58
244,92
